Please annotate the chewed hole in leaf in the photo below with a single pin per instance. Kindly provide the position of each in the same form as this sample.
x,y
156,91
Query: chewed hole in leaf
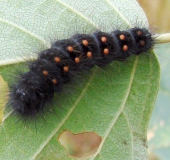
x,y
81,145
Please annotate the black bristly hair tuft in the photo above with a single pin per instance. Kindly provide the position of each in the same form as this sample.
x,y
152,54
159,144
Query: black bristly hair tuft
x,y
66,58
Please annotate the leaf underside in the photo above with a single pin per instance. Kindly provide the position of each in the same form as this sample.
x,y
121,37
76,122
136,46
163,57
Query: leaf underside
x,y
115,102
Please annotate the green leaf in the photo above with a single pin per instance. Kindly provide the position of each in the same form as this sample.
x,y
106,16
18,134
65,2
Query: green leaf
x,y
115,102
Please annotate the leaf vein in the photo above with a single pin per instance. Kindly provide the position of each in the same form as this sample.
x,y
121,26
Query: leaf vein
x,y
26,31
121,107
67,116
130,129
78,13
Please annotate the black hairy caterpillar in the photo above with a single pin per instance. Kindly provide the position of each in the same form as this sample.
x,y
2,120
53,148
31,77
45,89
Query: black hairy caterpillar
x,y
59,64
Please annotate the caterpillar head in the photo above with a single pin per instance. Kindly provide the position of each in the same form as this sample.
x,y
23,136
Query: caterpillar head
x,y
30,95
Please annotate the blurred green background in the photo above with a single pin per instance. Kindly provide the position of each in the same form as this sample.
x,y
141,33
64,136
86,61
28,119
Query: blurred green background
x,y
158,12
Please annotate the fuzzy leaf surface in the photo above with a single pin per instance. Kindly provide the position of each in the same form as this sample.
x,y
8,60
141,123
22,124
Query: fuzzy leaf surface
x,y
115,102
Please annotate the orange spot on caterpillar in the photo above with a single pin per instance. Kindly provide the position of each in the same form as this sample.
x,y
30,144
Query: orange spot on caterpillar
x,y
106,51
104,39
142,43
122,37
54,81
65,68
139,33
125,48
77,60
70,48
89,54
45,73
57,59
85,42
